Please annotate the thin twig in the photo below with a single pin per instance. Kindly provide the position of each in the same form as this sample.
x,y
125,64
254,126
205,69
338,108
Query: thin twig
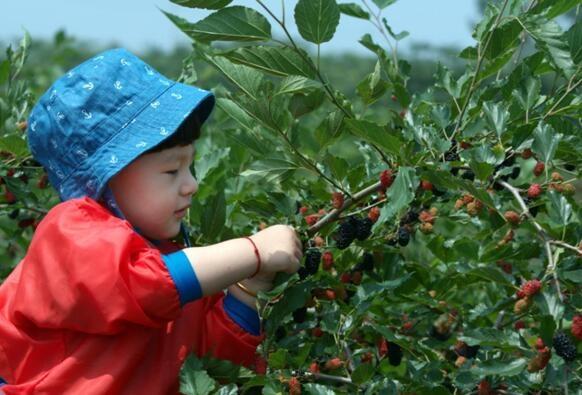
x,y
328,377
566,245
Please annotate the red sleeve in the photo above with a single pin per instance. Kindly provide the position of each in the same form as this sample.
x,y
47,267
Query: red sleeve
x,y
221,336
87,270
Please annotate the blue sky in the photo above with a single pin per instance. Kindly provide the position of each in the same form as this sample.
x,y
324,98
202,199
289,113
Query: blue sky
x,y
137,24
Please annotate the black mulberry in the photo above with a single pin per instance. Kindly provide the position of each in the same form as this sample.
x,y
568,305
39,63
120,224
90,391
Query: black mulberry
x,y
312,259
409,218
367,263
299,315
564,347
347,233
364,229
394,354
403,237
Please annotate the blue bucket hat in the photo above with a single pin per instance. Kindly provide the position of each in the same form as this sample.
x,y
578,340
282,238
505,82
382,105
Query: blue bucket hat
x,y
101,115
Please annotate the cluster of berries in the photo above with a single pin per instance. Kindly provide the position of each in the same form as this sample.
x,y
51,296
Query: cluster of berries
x,y
352,228
564,347
542,357
525,294
472,205
427,219
464,352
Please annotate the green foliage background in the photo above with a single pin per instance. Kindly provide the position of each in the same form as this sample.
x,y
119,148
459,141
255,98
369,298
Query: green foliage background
x,y
292,125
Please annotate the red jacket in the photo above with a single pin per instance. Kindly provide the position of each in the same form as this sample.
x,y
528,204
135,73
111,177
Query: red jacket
x,y
92,309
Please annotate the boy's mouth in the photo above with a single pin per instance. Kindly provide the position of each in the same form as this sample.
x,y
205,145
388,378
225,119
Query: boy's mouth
x,y
182,212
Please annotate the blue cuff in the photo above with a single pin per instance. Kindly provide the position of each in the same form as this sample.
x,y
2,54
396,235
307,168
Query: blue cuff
x,y
2,382
245,316
184,277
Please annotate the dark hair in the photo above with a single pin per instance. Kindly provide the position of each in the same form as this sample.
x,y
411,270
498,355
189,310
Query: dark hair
x,y
185,135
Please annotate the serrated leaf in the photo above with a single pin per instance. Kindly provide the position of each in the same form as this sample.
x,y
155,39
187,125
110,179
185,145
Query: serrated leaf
x,y
362,373
398,37
502,368
545,142
528,92
230,389
446,81
317,20
497,115
491,274
271,169
208,4
375,134
296,84
401,193
280,61
549,38
558,208
228,24
573,275
353,9
245,78
194,380
236,113
294,297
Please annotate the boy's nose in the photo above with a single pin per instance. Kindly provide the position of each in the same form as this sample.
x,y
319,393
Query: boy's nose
x,y
190,186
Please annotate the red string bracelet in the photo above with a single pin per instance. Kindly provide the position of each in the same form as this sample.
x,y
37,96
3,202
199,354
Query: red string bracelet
x,y
258,257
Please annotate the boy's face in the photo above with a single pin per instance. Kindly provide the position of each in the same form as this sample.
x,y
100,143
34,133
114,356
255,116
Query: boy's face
x,y
153,191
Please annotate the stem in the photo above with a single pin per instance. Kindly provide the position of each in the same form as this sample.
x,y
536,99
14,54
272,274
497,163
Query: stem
x,y
569,89
566,245
333,214
473,86
551,267
328,377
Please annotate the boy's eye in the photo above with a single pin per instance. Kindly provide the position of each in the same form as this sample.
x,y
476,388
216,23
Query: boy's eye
x,y
173,172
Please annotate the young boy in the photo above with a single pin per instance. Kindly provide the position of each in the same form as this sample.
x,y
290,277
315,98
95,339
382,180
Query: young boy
x,y
103,302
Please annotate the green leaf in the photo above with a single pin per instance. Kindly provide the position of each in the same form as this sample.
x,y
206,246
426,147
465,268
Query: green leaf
x,y
545,142
245,78
297,84
553,8
294,297
445,80
492,274
401,193
280,61
271,169
352,9
383,3
193,378
574,37
502,368
375,134
558,208
403,34
573,275
214,215
208,4
363,373
230,389
317,20
14,144
497,115
278,359
318,389
549,38
371,88
528,92
235,112
504,38
228,24
4,71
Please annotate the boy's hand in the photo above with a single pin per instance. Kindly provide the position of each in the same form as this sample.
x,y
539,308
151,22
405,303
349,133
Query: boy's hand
x,y
280,250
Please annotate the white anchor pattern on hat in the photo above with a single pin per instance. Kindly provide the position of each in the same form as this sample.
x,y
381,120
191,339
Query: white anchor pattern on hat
x,y
82,153
113,160
60,116
177,96
141,144
163,131
118,85
33,126
148,70
86,114
89,86
124,62
164,82
155,104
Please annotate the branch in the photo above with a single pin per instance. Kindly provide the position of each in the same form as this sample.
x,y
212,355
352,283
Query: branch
x,y
566,245
473,86
333,214
328,377
551,268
